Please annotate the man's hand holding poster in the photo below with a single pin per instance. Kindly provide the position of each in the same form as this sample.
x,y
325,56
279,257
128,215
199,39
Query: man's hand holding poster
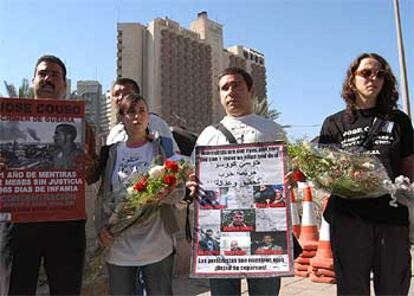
x,y
42,149
243,226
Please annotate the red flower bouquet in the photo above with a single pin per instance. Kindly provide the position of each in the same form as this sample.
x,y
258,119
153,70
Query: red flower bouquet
x,y
141,199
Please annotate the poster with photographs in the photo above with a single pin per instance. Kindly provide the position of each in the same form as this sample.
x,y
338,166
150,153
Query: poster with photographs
x,y
42,143
242,219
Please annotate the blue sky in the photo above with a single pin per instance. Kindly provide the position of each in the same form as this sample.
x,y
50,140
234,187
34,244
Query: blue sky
x,y
308,44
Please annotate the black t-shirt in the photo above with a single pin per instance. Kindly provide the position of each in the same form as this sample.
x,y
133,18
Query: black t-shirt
x,y
392,143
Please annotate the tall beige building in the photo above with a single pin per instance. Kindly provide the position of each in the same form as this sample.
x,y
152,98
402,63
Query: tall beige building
x,y
177,68
97,107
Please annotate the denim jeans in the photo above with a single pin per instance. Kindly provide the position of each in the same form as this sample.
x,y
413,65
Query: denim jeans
x,y
257,286
157,278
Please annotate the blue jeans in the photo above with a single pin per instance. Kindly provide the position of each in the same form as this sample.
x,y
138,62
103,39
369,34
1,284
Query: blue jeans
x,y
257,286
157,278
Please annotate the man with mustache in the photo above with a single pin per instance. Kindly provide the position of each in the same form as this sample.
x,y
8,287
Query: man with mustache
x,y
59,245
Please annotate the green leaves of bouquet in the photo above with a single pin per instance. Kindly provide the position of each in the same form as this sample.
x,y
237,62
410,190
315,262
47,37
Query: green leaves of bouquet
x,y
339,172
154,186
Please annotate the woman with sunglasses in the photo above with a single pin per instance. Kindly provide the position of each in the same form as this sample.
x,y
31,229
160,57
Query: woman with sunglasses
x,y
369,235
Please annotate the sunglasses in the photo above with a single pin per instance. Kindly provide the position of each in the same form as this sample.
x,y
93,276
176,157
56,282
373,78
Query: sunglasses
x,y
368,73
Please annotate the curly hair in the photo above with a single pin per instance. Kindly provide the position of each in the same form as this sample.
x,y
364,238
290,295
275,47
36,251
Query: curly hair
x,y
386,99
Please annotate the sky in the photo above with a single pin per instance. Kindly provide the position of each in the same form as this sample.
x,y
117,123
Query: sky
x,y
308,44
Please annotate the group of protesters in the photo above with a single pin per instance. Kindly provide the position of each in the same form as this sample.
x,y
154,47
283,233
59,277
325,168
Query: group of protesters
x,y
367,235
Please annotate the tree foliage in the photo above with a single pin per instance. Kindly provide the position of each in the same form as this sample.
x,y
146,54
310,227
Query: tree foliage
x,y
262,108
24,90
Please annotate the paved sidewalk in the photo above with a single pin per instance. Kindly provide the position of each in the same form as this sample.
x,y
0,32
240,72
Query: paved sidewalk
x,y
291,286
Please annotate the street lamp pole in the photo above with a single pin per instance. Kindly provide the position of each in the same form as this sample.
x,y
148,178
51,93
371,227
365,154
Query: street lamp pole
x,y
404,85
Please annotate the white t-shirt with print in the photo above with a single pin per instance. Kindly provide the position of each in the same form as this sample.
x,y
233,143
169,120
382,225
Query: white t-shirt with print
x,y
246,129
143,243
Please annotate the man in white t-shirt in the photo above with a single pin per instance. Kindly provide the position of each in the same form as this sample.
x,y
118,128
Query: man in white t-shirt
x,y
236,94
157,126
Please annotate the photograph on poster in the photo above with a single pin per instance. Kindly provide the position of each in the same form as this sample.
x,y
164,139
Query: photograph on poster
x,y
269,196
235,243
209,241
41,145
236,197
268,243
210,198
209,233
271,219
238,220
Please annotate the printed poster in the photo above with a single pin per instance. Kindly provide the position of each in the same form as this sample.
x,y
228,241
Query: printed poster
x,y
42,142
242,219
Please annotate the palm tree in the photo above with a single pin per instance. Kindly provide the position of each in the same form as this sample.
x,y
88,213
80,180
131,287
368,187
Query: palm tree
x,y
24,91
261,107
11,89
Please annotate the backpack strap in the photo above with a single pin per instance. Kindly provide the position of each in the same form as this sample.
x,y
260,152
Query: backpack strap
x,y
189,200
167,145
229,136
375,128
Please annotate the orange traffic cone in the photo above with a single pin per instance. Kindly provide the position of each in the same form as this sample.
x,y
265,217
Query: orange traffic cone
x,y
308,237
303,260
301,270
308,254
321,279
302,273
295,214
322,265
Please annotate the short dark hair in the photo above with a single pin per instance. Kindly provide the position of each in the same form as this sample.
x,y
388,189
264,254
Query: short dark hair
x,y
52,59
234,70
123,81
130,101
68,129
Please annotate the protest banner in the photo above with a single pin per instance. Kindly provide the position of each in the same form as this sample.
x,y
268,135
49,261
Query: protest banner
x,y
242,219
42,142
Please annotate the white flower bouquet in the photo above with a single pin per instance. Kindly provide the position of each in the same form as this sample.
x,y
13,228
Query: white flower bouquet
x,y
348,175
